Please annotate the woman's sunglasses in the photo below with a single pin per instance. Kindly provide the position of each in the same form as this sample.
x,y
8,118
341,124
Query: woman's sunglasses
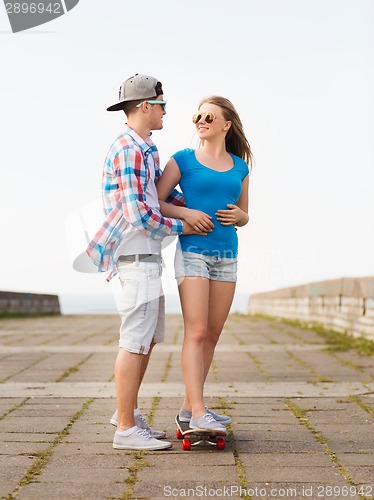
x,y
153,101
208,117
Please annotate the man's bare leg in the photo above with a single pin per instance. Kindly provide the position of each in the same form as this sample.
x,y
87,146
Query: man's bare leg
x,y
143,369
128,369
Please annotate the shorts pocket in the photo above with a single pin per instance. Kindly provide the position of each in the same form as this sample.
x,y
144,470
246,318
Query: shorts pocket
x,y
154,291
129,294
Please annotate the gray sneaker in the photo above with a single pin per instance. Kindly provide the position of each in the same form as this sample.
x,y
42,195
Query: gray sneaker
x,y
222,419
206,423
139,439
141,422
185,416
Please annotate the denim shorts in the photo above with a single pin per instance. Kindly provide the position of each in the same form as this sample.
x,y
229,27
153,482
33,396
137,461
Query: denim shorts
x,y
205,266
142,308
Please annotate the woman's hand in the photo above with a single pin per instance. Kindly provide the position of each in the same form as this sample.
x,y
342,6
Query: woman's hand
x,y
234,216
200,221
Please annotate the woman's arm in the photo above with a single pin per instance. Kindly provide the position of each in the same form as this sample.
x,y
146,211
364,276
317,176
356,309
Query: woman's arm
x,y
170,177
237,214
165,185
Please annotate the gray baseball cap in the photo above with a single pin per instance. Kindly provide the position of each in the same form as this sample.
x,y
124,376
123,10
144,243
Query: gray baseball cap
x,y
137,87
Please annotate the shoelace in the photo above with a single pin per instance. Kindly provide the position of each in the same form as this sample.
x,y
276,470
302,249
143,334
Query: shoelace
x,y
208,417
143,421
144,432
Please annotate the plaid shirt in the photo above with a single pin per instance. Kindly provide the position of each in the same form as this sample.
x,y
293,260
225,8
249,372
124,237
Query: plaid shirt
x,y
125,178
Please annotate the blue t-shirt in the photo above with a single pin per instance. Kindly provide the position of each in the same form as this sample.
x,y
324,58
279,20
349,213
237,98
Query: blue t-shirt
x,y
208,190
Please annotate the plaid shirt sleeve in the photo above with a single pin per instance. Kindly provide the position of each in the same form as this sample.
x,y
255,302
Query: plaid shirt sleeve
x,y
132,172
176,198
101,247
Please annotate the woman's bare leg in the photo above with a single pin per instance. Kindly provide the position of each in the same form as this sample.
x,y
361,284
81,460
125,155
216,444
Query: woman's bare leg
x,y
194,296
221,294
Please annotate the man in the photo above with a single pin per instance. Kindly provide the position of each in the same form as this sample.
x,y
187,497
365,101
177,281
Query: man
x,y
129,243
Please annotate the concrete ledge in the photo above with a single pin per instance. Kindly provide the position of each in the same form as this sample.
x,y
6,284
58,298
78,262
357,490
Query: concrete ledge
x,y
13,303
345,305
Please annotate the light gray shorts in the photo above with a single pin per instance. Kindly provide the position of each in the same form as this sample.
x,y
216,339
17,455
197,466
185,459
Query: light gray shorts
x,y
142,309
205,266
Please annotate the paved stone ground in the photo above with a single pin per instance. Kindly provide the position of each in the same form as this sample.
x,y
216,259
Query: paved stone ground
x,y
302,416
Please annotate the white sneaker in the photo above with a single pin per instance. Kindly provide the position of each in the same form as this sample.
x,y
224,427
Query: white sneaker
x,y
207,423
139,439
141,422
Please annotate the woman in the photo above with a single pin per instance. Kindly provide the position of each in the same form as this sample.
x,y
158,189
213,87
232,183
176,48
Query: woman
x,y
214,181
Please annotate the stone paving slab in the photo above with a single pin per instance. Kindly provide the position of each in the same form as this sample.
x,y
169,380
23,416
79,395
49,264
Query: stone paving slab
x,y
72,491
170,389
314,490
326,475
302,417
161,348
29,437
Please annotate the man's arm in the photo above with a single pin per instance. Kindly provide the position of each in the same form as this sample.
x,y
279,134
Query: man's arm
x,y
132,174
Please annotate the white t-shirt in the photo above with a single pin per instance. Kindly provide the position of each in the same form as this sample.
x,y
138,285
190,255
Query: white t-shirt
x,y
137,240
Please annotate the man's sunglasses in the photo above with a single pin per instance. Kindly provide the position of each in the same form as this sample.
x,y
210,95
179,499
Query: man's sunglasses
x,y
153,101
208,117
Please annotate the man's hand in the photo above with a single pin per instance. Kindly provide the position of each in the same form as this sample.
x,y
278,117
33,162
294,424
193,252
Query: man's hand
x,y
188,229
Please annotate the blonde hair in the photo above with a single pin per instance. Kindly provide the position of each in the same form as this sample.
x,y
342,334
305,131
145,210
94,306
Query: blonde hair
x,y
236,141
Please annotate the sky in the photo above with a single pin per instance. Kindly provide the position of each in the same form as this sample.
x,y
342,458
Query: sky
x,y
301,77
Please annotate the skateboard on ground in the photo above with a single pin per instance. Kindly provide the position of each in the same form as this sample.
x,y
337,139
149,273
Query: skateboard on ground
x,y
192,437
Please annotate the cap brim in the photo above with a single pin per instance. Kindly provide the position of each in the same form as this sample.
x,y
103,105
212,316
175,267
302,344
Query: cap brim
x,y
116,107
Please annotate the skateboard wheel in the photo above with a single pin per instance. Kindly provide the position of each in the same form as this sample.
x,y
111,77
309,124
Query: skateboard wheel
x,y
179,434
221,443
186,444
